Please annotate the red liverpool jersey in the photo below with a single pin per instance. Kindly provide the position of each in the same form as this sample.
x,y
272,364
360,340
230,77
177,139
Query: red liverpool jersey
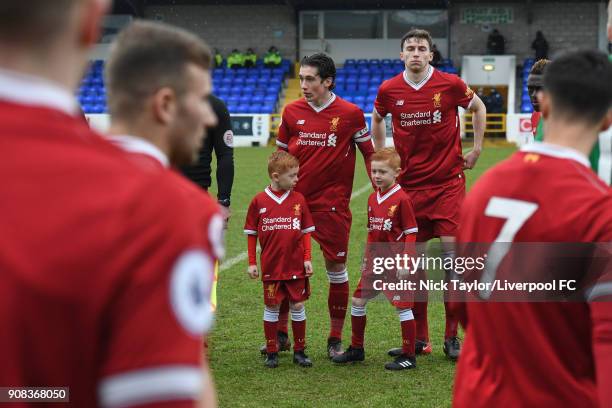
x,y
147,156
426,130
104,272
537,354
280,221
324,139
390,216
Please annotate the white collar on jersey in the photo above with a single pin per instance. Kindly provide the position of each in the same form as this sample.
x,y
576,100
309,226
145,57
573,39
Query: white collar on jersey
x,y
134,144
557,151
273,196
31,90
388,194
419,85
325,105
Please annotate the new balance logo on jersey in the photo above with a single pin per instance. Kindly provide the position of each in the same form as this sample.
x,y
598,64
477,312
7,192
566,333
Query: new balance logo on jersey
x,y
341,253
300,122
387,225
331,140
262,210
399,102
437,116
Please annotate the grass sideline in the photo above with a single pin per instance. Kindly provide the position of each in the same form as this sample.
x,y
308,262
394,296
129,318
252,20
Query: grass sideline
x,y
237,367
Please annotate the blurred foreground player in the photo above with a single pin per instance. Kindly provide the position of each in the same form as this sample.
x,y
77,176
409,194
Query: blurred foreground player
x,y
104,269
160,112
560,353
280,218
323,131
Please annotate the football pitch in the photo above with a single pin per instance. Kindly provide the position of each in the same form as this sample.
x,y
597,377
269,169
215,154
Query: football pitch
x,y
237,367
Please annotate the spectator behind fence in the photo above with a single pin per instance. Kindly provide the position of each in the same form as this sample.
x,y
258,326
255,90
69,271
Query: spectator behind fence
x,y
218,58
235,59
540,45
496,43
250,58
273,58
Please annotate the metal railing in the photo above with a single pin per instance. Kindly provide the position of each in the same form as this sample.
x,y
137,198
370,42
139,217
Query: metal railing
x,y
496,123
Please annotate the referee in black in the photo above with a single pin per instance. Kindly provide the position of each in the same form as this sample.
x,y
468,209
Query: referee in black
x,y
221,140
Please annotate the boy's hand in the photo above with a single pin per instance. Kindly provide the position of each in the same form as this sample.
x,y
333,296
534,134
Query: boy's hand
x,y
253,272
308,268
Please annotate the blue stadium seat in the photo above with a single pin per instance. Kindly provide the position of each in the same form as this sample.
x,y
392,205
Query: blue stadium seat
x,y
227,81
351,79
351,87
244,100
232,107
364,71
348,98
224,89
270,98
248,89
374,61
349,61
241,71
376,79
236,90
242,108
257,99
239,80
233,99
359,99
362,61
339,88
526,108
386,61
369,107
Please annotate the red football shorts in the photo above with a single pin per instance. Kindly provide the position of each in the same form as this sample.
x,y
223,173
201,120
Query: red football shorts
x,y
402,299
296,290
332,229
437,209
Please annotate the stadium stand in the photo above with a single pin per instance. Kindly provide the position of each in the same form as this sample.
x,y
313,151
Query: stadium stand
x,y
358,80
526,106
253,90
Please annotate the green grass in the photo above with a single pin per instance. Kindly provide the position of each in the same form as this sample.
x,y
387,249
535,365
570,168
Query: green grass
x,y
237,367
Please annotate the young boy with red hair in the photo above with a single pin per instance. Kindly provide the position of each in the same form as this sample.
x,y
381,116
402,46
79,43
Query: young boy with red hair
x,y
390,221
280,218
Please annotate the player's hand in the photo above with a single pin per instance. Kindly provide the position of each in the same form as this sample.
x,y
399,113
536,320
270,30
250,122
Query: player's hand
x,y
227,213
470,159
308,268
253,272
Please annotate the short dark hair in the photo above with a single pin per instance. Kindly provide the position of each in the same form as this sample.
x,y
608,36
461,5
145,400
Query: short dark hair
x,y
580,85
33,22
147,56
324,64
418,34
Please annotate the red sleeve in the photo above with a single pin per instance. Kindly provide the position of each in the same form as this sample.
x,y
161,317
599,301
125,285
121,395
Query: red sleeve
x,y
601,317
252,249
409,224
154,325
380,103
252,218
307,247
284,134
462,93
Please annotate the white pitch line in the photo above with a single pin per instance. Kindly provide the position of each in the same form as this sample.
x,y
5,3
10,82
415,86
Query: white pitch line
x,y
228,263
